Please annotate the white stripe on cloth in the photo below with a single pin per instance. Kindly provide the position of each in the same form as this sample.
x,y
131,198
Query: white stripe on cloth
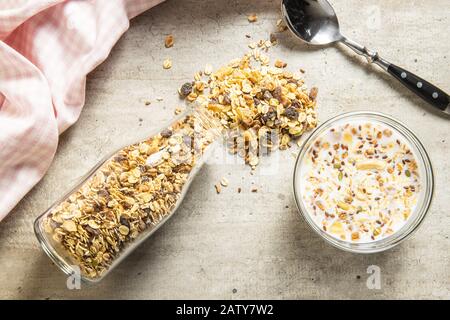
x,y
46,50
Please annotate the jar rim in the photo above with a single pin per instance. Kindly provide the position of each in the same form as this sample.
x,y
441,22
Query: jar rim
x,y
421,209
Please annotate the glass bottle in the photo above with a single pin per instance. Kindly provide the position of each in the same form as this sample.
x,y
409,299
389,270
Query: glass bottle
x,y
126,197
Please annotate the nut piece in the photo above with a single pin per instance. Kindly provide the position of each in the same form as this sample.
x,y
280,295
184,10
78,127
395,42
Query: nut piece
x,y
224,182
343,205
69,225
313,93
178,110
252,18
167,64
337,228
320,205
280,64
168,42
371,164
124,230
208,69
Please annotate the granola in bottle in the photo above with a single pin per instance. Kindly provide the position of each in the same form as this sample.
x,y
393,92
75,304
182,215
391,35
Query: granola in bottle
x,y
126,197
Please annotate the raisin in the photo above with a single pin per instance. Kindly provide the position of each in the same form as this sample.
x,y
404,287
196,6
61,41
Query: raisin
x,y
124,221
270,115
291,113
166,133
120,158
296,104
277,93
186,89
91,230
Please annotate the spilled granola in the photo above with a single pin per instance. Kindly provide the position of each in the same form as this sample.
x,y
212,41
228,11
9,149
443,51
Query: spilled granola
x,y
252,18
167,64
261,107
169,41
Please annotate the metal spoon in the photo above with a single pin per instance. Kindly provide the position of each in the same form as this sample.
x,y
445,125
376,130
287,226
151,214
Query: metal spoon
x,y
315,22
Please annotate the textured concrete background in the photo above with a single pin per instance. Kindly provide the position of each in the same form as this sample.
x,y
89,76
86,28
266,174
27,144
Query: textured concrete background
x,y
248,245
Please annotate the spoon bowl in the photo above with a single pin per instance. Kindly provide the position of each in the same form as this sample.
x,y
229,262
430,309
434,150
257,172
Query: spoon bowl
x,y
313,21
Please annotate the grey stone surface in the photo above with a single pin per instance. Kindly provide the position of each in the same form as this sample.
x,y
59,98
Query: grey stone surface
x,y
248,245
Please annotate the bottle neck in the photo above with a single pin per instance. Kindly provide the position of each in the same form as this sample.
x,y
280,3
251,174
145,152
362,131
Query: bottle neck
x,y
207,121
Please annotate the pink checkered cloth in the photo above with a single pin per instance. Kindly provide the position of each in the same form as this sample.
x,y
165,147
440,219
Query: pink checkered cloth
x,y
46,50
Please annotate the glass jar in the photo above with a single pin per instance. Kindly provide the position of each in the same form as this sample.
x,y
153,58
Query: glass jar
x,y
424,170
126,197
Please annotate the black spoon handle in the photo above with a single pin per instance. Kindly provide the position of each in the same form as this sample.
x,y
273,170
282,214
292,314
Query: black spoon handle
x,y
427,91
